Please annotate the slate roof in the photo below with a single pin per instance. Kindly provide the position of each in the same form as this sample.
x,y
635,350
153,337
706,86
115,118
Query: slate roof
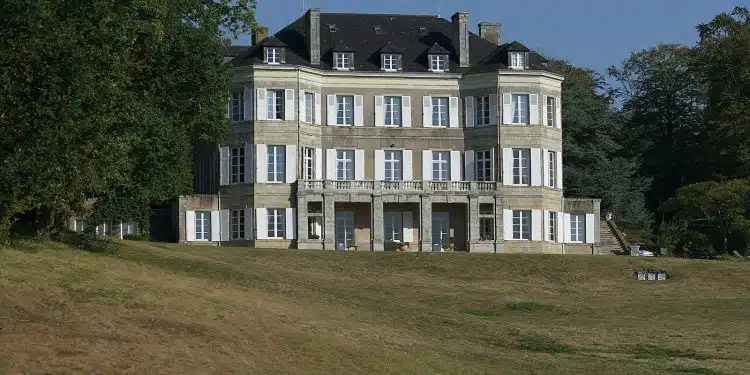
x,y
229,50
411,35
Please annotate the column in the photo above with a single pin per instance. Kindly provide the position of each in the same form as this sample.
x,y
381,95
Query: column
x,y
499,225
329,223
425,231
472,215
301,219
377,223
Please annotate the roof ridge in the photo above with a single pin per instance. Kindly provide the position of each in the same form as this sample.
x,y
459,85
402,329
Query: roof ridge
x,y
382,14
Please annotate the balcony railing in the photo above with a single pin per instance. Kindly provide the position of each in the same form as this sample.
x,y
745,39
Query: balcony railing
x,y
400,186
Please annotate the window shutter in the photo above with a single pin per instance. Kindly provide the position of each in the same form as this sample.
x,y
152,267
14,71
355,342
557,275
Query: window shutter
x,y
426,165
261,160
399,65
545,226
248,223
526,60
493,109
558,113
379,111
494,164
408,167
382,61
359,108
406,111
545,107
359,165
590,238
534,109
408,223
224,222
559,167
248,104
229,108
215,226
469,165
282,52
331,164
379,165
507,166
469,109
560,227
426,111
248,163
453,112
290,226
261,106
265,55
331,112
261,223
508,224
289,105
223,166
302,106
190,226
507,109
291,164
318,164
545,167
567,228
536,170
455,165
536,225
318,120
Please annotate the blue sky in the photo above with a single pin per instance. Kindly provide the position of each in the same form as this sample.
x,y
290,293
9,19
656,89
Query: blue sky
x,y
595,34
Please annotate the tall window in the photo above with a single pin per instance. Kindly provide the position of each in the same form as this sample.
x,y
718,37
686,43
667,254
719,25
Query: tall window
x,y
308,163
202,225
551,111
577,228
273,55
392,111
521,166
276,223
104,228
238,165
551,168
275,103
393,226
440,111
128,227
309,108
344,60
486,221
276,163
238,106
238,224
441,166
521,224
482,110
520,108
484,165
438,63
390,62
344,164
344,229
517,60
552,226
393,162
344,109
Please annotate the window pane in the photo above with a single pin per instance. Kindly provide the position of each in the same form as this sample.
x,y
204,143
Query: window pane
x,y
440,111
310,107
392,110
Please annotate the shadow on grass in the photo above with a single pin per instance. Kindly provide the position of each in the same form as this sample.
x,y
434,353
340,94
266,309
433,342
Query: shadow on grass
x,y
698,371
653,351
520,306
529,341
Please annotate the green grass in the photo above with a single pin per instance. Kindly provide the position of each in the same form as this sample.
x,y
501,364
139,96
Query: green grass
x,y
173,309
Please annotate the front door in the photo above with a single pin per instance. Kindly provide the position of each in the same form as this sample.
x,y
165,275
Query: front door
x,y
440,230
344,229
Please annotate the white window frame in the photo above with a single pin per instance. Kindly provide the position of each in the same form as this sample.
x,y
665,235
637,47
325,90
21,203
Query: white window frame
x,y
79,225
393,107
393,226
273,55
390,62
345,165
344,110
577,228
202,225
276,220
393,168
238,106
521,225
308,163
483,164
309,107
344,60
441,166
482,110
276,172
103,227
438,63
237,165
552,226
487,228
439,110
517,60
551,111
521,110
274,104
521,166
237,224
344,226
551,168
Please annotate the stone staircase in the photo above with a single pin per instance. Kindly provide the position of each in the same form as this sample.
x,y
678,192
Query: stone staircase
x,y
610,239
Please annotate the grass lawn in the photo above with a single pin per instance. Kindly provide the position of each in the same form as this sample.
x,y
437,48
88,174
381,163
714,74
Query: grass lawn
x,y
169,309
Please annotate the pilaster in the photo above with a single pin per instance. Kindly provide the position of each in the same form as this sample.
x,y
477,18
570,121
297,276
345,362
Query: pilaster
x,y
302,223
329,223
377,223
425,231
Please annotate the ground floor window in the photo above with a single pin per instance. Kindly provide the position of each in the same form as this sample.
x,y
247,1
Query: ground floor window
x,y
128,228
486,228
314,227
276,218
104,228
202,225
344,229
79,225
522,225
552,226
238,224
393,226
577,228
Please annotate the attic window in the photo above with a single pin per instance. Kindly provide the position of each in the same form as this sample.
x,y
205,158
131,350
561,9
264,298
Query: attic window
x,y
422,31
438,63
332,28
343,60
390,62
274,55
378,29
518,60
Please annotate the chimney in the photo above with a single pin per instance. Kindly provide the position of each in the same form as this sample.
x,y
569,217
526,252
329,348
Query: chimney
x,y
490,31
461,37
312,19
259,34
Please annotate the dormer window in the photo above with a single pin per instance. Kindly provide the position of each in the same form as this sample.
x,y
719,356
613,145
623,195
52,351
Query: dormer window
x,y
274,55
517,60
391,62
438,63
344,60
